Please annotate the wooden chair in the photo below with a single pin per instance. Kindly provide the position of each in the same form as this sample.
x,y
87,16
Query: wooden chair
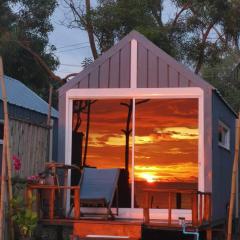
x,y
98,188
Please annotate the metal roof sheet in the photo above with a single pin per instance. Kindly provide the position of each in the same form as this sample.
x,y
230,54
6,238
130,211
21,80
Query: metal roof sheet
x,y
20,95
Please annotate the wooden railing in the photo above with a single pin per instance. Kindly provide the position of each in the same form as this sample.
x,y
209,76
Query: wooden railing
x,y
200,204
52,189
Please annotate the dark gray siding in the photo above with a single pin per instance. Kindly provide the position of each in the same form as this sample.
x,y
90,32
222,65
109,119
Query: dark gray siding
x,y
222,159
33,117
24,114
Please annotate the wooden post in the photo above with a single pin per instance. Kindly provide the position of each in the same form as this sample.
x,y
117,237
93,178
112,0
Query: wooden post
x,y
194,209
146,208
51,203
65,191
49,105
200,209
234,175
76,203
3,192
29,193
207,208
209,234
49,122
169,208
7,145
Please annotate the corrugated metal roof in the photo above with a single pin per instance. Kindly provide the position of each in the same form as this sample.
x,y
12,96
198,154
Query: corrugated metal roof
x,y
20,95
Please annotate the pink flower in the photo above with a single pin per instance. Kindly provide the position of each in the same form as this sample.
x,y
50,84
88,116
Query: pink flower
x,y
33,178
16,163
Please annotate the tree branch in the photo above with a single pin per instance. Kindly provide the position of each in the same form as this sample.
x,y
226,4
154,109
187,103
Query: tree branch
x,y
185,7
89,28
125,104
41,62
220,36
202,48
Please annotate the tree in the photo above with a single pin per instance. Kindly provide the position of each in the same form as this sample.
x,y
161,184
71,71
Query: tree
x,y
25,25
111,20
200,32
206,29
225,76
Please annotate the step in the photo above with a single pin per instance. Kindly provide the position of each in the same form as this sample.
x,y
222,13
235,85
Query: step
x,y
107,230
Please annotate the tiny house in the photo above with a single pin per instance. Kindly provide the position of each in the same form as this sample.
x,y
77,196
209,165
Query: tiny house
x,y
169,131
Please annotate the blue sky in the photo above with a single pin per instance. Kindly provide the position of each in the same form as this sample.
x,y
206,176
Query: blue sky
x,y
72,44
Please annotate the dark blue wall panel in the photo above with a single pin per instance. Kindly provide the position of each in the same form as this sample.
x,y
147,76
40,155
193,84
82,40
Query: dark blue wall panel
x,y
222,158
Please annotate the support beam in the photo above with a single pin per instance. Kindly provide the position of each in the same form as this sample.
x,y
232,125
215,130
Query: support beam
x,y
133,69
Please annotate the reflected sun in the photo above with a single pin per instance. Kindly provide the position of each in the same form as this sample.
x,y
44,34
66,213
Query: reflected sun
x,y
150,178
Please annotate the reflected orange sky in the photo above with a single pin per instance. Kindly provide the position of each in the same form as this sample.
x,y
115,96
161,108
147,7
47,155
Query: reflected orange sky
x,y
166,140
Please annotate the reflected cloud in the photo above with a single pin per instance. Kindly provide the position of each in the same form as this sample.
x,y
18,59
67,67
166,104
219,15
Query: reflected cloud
x,y
166,139
186,172
181,133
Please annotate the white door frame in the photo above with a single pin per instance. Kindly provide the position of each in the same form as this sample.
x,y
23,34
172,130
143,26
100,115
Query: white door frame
x,y
137,93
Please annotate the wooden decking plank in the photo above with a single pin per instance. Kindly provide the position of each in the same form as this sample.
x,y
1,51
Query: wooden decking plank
x,y
112,228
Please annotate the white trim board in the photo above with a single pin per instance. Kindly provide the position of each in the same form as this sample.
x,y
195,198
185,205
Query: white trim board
x,y
138,93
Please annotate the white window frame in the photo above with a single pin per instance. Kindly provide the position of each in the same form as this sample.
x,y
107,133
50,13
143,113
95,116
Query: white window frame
x,y
139,93
227,145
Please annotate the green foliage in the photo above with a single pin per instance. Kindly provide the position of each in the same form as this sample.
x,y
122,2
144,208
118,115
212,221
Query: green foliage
x,y
27,21
200,32
19,185
113,19
207,30
225,76
24,218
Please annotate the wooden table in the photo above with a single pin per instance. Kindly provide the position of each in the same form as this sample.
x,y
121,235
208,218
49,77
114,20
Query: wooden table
x,y
52,189
53,166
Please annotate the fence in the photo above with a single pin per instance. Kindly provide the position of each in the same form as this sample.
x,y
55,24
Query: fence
x,y
30,143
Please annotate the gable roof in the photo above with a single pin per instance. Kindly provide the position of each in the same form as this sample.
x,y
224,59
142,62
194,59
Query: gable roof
x,y
155,68
20,95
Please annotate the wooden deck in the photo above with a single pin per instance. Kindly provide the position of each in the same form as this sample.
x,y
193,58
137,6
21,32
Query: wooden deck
x,y
125,228
121,228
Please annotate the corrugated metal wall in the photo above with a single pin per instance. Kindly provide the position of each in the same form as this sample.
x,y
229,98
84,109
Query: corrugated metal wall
x,y
29,142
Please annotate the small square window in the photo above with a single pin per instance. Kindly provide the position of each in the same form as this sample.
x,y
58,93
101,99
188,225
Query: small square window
x,y
223,135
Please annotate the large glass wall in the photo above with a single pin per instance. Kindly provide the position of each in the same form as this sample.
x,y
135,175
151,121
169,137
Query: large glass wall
x,y
166,149
102,130
166,145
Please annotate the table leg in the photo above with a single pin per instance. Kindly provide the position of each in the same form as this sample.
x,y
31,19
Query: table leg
x,y
76,203
65,190
29,197
51,204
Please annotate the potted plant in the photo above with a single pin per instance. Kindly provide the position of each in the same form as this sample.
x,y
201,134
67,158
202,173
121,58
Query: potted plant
x,y
25,220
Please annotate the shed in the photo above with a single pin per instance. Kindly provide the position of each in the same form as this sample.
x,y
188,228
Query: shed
x,y
138,109
30,139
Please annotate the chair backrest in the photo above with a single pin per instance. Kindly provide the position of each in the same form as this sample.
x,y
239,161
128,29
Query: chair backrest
x,y
99,184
